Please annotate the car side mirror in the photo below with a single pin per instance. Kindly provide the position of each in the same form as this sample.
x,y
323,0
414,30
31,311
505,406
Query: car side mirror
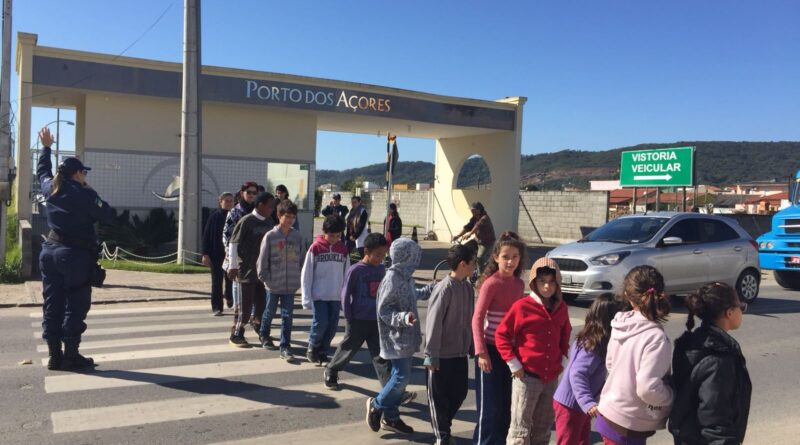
x,y
672,240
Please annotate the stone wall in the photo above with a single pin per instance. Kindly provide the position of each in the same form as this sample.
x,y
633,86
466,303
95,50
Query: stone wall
x,y
557,217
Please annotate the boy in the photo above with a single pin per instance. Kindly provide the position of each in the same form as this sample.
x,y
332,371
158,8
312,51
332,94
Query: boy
x,y
398,327
243,251
448,334
279,265
359,295
321,281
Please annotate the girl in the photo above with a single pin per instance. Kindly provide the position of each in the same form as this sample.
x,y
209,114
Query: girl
x,y
500,287
712,385
575,401
636,398
532,338
393,223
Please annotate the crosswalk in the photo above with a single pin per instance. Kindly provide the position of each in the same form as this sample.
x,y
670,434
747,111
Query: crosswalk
x,y
169,372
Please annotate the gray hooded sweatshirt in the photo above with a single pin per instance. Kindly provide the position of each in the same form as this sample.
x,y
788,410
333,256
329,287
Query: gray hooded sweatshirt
x,y
397,298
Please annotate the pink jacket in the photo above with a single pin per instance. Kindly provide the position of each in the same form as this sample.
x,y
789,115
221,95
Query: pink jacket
x,y
635,395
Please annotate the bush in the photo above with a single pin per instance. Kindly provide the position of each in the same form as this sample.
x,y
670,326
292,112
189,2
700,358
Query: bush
x,y
11,265
317,201
140,236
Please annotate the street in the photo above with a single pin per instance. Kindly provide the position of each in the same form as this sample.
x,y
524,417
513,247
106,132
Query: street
x,y
166,374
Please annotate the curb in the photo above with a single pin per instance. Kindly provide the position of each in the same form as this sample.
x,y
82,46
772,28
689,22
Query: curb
x,y
127,300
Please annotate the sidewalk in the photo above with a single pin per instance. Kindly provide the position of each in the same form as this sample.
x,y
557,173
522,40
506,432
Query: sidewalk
x,y
123,286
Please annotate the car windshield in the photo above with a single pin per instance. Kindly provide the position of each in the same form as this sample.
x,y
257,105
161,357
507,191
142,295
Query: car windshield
x,y
627,230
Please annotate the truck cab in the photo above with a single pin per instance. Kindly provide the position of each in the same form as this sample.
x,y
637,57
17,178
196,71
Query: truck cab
x,y
779,249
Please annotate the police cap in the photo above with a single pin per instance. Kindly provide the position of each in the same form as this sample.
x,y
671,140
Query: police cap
x,y
71,165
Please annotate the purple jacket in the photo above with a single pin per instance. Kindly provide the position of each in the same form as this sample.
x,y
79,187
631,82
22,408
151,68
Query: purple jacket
x,y
583,380
360,291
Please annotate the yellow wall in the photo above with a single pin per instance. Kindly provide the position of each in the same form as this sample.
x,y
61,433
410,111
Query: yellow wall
x,y
116,121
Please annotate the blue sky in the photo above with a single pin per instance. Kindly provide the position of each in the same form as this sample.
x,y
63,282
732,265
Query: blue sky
x,y
597,74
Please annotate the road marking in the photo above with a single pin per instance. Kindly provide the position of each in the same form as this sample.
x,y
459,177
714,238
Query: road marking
x,y
157,318
137,310
177,352
151,328
184,408
576,322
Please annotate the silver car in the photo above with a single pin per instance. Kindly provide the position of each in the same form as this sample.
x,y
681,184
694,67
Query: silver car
x,y
689,249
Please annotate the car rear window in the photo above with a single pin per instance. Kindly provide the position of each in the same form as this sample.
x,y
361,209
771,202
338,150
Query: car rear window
x,y
627,230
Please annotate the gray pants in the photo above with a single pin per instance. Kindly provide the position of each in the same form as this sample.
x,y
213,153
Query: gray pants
x,y
531,411
483,256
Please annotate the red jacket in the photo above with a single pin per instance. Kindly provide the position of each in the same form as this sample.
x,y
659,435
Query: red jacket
x,y
534,339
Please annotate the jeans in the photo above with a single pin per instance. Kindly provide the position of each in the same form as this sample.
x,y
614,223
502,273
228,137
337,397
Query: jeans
x,y
66,272
287,310
531,411
356,332
324,323
493,393
391,395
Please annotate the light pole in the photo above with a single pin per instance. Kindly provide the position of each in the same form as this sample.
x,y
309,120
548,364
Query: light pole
x,y
58,127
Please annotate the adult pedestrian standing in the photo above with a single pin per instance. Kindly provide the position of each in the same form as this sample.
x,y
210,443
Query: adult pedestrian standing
x,y
335,207
214,254
712,385
393,223
68,261
481,226
357,226
245,203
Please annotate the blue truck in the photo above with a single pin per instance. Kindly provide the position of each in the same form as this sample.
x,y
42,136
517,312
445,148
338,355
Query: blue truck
x,y
779,249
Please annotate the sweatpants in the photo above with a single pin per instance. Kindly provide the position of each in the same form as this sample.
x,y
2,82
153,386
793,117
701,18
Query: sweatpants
x,y
573,426
221,286
251,301
493,400
447,389
356,332
531,411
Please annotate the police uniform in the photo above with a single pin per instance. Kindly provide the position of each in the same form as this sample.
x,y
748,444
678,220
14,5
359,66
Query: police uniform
x,y
68,259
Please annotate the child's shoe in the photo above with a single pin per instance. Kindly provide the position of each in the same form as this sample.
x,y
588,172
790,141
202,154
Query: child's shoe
x,y
373,415
397,426
331,379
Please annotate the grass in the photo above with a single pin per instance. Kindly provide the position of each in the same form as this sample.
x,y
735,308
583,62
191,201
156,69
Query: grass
x,y
11,265
153,267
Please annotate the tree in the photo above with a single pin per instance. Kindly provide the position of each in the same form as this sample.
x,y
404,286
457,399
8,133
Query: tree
x,y
351,185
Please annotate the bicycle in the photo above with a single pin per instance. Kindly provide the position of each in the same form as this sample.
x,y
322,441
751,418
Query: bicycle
x,y
442,269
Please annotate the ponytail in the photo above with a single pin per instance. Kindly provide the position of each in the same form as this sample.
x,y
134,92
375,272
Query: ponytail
x,y
507,238
709,303
56,183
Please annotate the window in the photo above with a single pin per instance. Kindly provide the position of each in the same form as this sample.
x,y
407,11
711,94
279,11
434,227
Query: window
x,y
717,231
686,230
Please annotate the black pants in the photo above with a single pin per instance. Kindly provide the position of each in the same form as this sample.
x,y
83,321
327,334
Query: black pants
x,y
447,389
493,394
356,332
218,277
66,272
249,308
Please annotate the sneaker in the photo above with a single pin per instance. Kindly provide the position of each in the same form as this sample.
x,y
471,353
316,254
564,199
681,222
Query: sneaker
x,y
218,313
373,415
408,397
397,426
323,358
267,343
311,356
238,341
286,355
331,379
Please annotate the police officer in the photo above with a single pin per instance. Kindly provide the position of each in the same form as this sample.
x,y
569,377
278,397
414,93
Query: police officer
x,y
69,254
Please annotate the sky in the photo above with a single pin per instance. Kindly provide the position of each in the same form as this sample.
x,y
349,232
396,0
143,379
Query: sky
x,y
597,74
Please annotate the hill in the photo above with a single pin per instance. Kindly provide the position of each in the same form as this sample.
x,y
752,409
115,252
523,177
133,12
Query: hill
x,y
717,163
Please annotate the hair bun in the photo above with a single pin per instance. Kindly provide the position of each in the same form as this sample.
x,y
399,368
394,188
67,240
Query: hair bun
x,y
696,305
507,235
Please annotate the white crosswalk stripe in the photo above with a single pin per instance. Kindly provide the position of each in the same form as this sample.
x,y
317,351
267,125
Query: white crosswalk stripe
x,y
169,367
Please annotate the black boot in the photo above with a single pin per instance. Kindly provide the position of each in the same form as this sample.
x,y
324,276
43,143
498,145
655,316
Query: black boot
x,y
56,356
72,359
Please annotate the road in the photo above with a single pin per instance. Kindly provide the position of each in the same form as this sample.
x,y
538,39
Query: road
x,y
168,375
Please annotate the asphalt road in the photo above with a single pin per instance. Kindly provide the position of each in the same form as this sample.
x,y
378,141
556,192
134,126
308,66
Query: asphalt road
x,y
167,375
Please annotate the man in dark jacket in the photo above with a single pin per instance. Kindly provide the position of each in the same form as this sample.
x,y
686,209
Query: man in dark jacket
x,y
214,254
335,207
712,399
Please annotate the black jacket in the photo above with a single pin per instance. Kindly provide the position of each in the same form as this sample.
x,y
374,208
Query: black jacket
x,y
212,235
712,389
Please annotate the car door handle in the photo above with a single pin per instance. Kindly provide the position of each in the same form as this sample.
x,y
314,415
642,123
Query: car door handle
x,y
698,251
737,248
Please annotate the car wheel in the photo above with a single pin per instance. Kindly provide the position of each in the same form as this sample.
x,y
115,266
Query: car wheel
x,y
747,285
787,279
569,298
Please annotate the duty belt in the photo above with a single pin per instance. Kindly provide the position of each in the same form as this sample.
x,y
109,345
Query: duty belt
x,y
71,242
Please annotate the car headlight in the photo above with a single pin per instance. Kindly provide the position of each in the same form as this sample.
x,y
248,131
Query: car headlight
x,y
762,245
770,245
609,259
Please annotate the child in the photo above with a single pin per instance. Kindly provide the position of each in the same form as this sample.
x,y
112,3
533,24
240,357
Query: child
x,y
243,250
712,385
321,283
400,335
448,342
532,338
575,400
359,296
279,265
636,398
500,287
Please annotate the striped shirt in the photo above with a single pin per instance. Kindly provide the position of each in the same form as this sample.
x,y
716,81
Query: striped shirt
x,y
496,297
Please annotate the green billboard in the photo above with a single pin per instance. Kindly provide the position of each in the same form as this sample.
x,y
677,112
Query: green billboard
x,y
668,167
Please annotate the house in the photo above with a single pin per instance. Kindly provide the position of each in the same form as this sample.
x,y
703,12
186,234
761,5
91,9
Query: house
x,y
765,205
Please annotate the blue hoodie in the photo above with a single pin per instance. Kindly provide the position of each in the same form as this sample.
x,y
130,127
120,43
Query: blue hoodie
x,y
397,298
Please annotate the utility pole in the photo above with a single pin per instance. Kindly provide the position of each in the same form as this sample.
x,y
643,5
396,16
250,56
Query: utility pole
x,y
191,140
5,127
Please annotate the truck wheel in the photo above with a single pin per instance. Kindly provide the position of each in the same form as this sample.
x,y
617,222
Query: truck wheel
x,y
787,279
747,285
